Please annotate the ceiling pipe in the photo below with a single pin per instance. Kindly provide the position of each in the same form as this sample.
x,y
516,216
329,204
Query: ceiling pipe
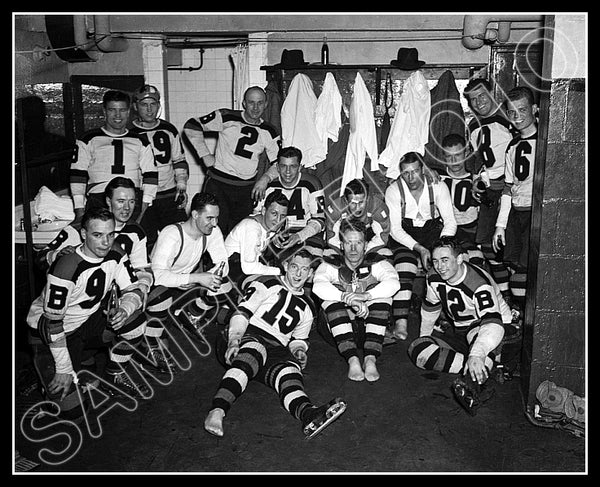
x,y
475,27
102,39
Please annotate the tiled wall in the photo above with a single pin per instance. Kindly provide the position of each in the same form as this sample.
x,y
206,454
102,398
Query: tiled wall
x,y
199,91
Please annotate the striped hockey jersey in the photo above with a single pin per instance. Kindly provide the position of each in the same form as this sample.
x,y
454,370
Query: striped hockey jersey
x,y
76,285
100,156
239,144
490,136
520,162
278,311
168,151
466,209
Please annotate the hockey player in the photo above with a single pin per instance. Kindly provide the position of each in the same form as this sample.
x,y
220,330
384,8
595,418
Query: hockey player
x,y
68,316
112,150
267,341
173,171
489,133
360,203
474,305
354,288
232,169
305,220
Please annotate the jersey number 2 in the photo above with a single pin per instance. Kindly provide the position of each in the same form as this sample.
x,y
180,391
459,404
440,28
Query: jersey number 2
x,y
251,136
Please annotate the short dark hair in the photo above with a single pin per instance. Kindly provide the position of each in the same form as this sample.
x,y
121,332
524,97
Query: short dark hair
x,y
96,213
475,83
450,242
356,186
352,224
115,95
411,157
118,182
520,92
276,197
201,200
306,254
290,152
453,139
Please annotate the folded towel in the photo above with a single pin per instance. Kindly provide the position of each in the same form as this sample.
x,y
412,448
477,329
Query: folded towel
x,y
48,206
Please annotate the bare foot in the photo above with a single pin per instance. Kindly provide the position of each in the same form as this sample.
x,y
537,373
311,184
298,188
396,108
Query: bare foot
x,y
401,329
371,372
355,371
214,422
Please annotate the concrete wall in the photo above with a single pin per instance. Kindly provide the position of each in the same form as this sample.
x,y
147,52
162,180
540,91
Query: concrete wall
x,y
556,324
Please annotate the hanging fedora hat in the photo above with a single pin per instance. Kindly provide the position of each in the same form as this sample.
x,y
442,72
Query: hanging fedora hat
x,y
408,58
291,58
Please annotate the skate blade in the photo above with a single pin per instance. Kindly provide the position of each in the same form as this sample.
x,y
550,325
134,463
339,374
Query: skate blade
x,y
461,393
334,412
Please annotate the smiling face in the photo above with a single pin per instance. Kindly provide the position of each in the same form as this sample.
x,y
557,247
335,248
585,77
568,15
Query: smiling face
x,y
206,219
116,115
147,109
98,237
481,101
446,264
255,103
521,114
297,271
288,169
273,215
122,204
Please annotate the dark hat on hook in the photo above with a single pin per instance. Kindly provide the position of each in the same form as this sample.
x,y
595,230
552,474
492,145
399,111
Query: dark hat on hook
x,y
408,59
291,58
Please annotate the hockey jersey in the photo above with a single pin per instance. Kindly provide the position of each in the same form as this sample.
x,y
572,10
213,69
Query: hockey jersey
x,y
239,145
100,156
76,285
490,136
271,306
520,161
306,201
466,209
168,151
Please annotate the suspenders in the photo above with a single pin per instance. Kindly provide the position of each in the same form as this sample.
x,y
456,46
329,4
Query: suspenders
x,y
403,200
178,225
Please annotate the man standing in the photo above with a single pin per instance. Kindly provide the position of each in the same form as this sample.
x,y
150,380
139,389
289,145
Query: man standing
x,y
421,212
489,135
173,171
109,151
231,171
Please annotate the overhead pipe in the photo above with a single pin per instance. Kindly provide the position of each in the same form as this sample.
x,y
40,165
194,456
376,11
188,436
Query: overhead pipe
x,y
102,39
475,28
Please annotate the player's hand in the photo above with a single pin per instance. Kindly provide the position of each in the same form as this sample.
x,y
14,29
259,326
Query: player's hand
x,y
302,358
60,384
425,257
499,239
78,214
181,193
232,351
292,240
360,308
476,368
69,249
117,318
280,239
260,188
208,280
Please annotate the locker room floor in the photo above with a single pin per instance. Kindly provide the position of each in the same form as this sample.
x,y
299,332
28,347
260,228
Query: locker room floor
x,y
407,422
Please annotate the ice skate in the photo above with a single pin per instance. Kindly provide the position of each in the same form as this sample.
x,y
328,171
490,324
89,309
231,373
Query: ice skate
x,y
322,417
470,395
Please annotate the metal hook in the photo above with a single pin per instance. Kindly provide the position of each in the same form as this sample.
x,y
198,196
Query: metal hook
x,y
191,68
